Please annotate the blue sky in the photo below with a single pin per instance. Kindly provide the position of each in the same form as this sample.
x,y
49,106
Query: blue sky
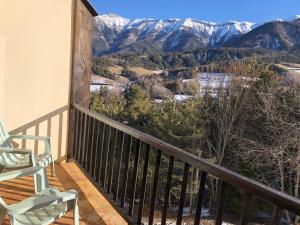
x,y
210,10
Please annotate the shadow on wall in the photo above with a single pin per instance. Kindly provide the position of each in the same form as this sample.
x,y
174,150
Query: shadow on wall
x,y
53,125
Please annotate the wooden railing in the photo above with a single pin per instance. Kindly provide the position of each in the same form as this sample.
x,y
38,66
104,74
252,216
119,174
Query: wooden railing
x,y
109,152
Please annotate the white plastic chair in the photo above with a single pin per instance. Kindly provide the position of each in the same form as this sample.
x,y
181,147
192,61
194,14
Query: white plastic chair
x,y
12,159
45,207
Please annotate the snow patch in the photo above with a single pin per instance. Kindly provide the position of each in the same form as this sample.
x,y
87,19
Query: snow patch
x,y
113,20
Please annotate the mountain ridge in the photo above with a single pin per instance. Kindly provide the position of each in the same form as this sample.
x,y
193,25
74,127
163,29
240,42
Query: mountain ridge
x,y
115,34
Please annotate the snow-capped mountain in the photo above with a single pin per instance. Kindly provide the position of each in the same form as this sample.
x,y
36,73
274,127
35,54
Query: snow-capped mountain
x,y
115,34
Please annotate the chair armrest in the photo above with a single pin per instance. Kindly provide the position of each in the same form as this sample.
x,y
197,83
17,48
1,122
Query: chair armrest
x,y
46,140
17,151
20,173
39,202
20,152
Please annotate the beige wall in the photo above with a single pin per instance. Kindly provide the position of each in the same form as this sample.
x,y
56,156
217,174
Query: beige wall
x,y
2,72
35,56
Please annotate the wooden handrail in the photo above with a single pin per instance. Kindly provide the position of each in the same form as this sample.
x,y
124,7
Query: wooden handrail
x,y
271,195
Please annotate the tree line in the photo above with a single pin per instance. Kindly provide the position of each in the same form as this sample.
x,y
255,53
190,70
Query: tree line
x,y
207,58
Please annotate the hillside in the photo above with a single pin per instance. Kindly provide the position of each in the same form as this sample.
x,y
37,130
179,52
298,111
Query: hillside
x,y
276,35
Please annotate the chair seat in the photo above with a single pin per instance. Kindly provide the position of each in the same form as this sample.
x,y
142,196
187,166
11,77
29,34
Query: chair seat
x,y
45,215
42,216
42,160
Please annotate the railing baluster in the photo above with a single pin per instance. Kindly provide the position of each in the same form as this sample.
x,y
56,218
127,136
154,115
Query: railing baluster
x,y
154,187
95,151
75,146
275,220
106,151
245,209
143,187
101,151
200,198
125,177
134,176
87,142
183,193
91,147
221,201
119,168
81,160
80,131
167,191
112,161
86,118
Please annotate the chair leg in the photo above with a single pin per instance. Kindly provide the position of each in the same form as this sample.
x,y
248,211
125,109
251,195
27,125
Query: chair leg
x,y
76,213
53,169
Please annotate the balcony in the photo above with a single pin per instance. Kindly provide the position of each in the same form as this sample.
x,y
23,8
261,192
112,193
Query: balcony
x,y
125,176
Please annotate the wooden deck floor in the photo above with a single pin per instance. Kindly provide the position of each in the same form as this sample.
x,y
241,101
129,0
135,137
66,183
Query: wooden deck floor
x,y
94,209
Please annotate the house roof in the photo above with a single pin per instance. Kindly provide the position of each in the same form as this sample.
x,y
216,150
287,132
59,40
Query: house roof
x,y
90,7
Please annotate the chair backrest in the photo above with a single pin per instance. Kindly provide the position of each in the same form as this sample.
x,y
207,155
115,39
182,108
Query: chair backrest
x,y
4,136
6,159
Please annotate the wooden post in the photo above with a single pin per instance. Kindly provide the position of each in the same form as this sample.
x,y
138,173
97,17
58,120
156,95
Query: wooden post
x,y
81,64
